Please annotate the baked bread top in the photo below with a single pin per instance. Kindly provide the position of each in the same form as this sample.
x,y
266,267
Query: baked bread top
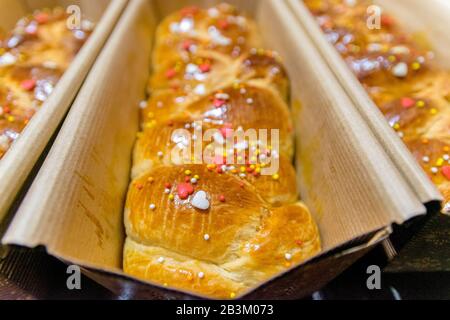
x,y
399,73
215,223
33,57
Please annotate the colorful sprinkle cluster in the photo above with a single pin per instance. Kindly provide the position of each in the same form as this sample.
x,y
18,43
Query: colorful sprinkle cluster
x,y
27,69
398,73
209,61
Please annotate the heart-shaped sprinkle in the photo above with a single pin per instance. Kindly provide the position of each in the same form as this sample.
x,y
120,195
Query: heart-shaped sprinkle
x,y
218,103
205,67
185,190
42,17
446,172
223,24
29,84
200,201
186,45
407,102
171,73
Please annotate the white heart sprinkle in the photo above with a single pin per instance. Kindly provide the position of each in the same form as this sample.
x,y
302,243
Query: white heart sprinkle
x,y
400,70
200,200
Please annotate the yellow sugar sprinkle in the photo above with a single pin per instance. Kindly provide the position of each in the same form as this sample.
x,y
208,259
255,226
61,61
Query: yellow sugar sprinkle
x,y
197,177
392,58
171,197
243,169
276,176
433,111
11,119
415,66
258,170
232,295
420,104
396,126
151,179
150,124
188,172
440,162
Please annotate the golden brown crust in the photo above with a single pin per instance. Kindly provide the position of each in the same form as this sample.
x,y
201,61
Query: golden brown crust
x,y
399,74
193,29
33,57
279,240
216,226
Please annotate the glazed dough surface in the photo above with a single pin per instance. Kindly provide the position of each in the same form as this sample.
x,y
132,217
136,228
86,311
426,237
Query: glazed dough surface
x,y
217,229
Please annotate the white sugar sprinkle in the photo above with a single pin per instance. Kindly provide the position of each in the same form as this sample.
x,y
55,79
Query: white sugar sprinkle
x,y
161,259
400,70
206,237
222,96
288,256
201,275
152,207
143,104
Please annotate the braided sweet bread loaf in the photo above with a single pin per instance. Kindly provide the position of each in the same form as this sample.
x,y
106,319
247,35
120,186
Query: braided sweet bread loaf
x,y
33,57
399,74
221,228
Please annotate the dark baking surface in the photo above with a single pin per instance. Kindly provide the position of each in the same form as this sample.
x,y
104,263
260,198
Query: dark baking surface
x,y
428,250
32,274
